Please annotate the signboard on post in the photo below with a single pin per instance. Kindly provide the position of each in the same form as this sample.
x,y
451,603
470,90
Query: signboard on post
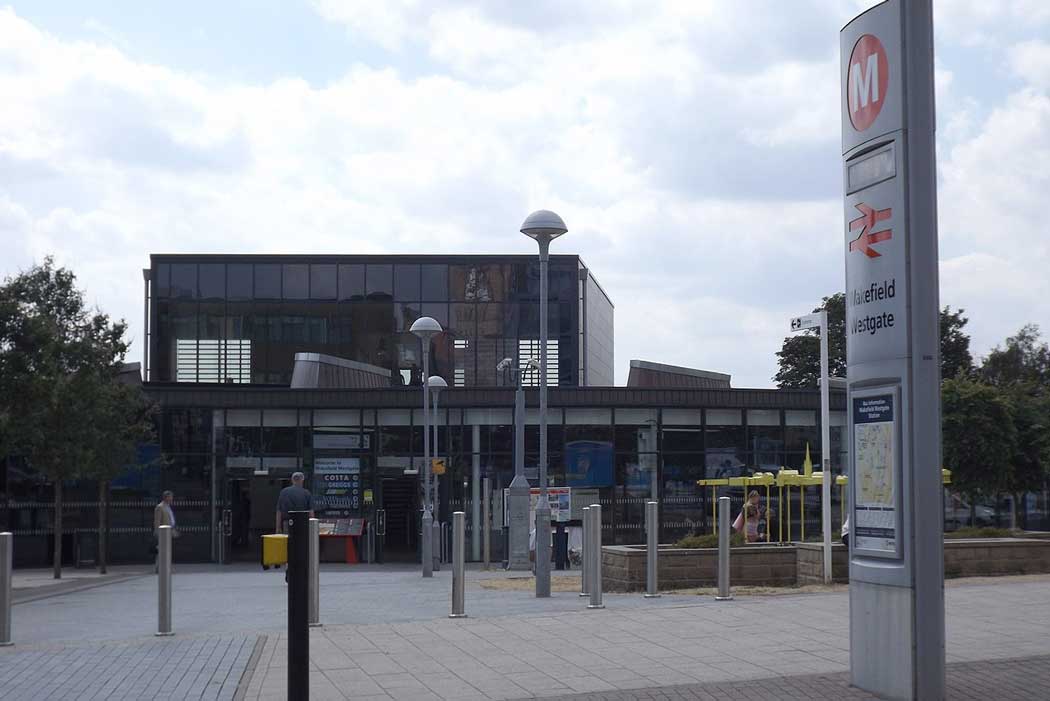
x,y
892,351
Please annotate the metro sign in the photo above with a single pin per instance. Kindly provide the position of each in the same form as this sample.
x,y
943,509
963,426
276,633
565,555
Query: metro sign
x,y
869,75
866,222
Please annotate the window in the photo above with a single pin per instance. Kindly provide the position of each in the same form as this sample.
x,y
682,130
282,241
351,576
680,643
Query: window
x,y
435,283
530,348
351,282
379,281
184,280
296,283
239,281
267,281
323,281
406,283
212,281
213,360
162,281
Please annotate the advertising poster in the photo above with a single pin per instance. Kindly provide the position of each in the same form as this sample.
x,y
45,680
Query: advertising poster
x,y
875,472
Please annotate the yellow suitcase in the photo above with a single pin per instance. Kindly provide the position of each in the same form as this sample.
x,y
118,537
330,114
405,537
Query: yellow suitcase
x,y
274,550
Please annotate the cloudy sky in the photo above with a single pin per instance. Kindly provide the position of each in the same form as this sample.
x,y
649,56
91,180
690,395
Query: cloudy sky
x,y
692,148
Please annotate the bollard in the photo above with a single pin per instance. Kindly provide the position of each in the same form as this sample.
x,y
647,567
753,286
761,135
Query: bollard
x,y
298,606
458,565
585,557
7,547
486,520
437,546
315,572
164,581
724,529
596,558
652,538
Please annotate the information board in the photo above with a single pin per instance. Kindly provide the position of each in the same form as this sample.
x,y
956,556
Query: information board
x,y
337,483
876,467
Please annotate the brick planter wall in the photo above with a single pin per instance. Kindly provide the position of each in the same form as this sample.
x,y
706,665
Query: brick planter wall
x,y
811,563
623,566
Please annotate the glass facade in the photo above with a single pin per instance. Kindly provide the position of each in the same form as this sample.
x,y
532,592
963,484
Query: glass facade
x,y
242,319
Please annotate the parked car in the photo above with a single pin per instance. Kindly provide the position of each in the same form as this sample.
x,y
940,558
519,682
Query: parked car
x,y
957,514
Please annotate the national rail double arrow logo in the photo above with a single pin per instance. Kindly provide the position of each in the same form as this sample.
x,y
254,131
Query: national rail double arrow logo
x,y
866,223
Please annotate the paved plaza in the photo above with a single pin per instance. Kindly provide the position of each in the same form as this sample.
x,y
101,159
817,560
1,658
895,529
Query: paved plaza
x,y
386,635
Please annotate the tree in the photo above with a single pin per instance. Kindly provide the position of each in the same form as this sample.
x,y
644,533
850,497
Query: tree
x,y
1024,360
979,437
955,344
799,356
58,364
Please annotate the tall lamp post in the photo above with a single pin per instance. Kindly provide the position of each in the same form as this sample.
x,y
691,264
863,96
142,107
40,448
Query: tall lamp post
x,y
425,328
436,383
518,496
543,226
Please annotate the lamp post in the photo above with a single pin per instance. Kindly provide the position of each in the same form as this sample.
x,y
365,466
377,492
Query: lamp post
x,y
425,328
543,226
436,383
518,496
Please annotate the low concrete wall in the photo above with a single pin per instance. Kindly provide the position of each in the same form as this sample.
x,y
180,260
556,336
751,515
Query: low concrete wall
x,y
623,566
810,563
998,556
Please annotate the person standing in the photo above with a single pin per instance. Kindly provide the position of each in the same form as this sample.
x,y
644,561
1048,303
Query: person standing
x,y
164,515
293,498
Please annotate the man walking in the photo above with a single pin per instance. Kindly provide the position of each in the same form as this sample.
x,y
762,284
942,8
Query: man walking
x,y
164,515
293,498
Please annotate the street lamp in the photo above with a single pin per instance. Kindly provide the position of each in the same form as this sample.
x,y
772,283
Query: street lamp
x,y
543,226
426,328
518,494
436,383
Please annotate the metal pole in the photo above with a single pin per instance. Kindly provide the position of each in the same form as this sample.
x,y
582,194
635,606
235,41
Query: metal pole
x,y
475,506
518,494
652,534
7,547
427,521
298,606
543,513
458,567
315,572
164,581
486,520
723,550
825,444
596,558
438,552
585,559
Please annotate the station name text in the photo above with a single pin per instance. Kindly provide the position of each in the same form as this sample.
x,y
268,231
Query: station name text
x,y
873,323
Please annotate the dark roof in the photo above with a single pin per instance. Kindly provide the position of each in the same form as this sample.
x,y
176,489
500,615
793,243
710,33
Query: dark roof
x,y
647,374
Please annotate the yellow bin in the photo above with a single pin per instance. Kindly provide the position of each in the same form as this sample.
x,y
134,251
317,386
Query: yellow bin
x,y
274,550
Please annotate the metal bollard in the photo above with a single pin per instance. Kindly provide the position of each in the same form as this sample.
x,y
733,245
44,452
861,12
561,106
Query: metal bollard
x,y
486,520
298,606
437,545
315,572
7,547
652,540
458,565
596,557
164,581
585,556
724,530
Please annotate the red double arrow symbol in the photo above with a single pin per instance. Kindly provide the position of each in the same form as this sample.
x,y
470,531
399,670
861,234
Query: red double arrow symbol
x,y
865,223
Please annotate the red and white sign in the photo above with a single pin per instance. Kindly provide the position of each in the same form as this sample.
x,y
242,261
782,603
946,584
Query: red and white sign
x,y
866,222
869,76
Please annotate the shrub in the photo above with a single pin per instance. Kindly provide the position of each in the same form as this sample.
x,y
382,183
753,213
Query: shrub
x,y
708,540
982,532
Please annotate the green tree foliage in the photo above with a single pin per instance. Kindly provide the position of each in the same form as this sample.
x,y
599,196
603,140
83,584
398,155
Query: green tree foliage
x,y
62,406
979,437
799,356
1024,361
